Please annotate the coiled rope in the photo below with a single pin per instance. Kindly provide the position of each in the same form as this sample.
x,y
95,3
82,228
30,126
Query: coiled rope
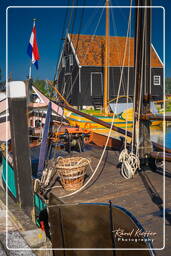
x,y
130,161
130,164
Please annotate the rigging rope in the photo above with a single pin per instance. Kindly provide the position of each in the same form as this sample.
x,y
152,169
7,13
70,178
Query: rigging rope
x,y
86,52
118,52
62,35
129,33
80,26
73,83
130,161
140,97
109,134
68,94
74,17
71,15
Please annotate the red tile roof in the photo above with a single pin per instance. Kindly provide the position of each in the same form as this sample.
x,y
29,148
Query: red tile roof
x,y
90,51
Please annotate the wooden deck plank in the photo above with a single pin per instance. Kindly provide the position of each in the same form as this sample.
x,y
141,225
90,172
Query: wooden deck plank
x,y
142,195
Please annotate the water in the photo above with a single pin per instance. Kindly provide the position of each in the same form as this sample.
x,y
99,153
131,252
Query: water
x,y
157,135
168,137
156,132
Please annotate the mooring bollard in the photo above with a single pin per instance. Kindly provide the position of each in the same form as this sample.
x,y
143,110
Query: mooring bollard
x,y
20,144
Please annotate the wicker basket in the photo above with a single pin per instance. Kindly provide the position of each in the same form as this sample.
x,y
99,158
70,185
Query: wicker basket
x,y
72,172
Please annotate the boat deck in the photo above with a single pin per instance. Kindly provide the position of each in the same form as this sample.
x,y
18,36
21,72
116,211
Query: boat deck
x,y
142,195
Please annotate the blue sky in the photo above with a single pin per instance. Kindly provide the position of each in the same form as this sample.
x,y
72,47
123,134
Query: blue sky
x,y
51,31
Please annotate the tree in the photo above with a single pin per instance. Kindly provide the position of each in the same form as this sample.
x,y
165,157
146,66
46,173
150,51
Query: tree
x,y
43,87
40,84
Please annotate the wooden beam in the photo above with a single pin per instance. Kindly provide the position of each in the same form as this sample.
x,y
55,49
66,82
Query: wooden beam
x,y
138,64
161,156
106,64
98,121
107,125
145,144
155,117
20,145
142,140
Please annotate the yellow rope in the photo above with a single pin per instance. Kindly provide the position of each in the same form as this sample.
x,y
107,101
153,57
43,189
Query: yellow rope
x,y
122,96
59,94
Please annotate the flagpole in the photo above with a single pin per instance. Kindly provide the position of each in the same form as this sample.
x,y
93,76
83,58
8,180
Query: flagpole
x,y
30,67
29,77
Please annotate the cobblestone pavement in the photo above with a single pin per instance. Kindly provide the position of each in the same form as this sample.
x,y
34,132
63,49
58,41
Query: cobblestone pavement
x,y
22,232
11,239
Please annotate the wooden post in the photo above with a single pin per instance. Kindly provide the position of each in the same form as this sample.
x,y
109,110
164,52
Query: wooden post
x,y
106,63
20,146
142,79
29,83
145,145
138,70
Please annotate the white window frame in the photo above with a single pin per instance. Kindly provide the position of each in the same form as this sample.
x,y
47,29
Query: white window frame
x,y
91,83
71,60
63,62
156,80
71,85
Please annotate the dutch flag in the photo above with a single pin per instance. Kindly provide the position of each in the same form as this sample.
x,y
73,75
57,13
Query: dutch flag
x,y
32,49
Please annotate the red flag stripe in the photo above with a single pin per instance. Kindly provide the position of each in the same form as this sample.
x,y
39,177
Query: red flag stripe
x,y
35,47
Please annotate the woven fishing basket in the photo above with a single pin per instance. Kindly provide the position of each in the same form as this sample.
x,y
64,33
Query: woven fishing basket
x,y
72,172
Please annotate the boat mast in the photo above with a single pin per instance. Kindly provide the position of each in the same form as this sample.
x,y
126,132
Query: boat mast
x,y
145,141
137,64
142,79
106,62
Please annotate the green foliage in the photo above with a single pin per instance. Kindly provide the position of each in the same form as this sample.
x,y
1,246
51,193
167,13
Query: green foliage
x,y
40,84
168,107
43,87
89,111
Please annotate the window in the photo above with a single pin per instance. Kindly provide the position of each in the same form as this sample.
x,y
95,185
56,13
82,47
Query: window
x,y
156,80
63,62
71,60
38,123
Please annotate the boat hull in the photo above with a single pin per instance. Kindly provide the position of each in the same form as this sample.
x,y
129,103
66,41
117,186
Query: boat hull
x,y
9,184
119,121
100,225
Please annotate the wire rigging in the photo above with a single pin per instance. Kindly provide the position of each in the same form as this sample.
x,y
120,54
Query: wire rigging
x,y
70,23
118,52
130,161
109,134
75,65
81,23
78,36
85,56
62,36
128,74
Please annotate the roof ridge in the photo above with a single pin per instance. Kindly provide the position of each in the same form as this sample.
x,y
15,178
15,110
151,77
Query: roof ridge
x,y
94,56
98,35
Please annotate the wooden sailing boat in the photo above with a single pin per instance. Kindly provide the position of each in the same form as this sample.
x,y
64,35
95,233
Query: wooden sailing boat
x,y
124,119
109,216
71,214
